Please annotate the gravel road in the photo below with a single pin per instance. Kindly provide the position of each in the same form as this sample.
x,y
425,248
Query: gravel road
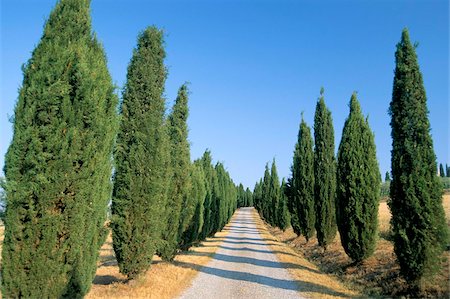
x,y
243,267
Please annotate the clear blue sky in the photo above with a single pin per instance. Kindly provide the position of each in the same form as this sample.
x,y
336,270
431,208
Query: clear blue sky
x,y
254,66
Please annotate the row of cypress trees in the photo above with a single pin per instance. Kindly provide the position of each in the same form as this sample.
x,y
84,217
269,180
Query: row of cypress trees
x,y
444,171
325,194
59,165
270,200
244,197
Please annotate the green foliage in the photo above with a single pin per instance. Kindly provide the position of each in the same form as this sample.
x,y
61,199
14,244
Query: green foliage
x,y
140,181
358,186
58,166
221,208
2,198
178,199
448,170
257,196
387,177
244,197
265,195
211,184
441,170
302,192
445,183
292,206
249,197
283,212
418,221
271,199
385,189
241,196
324,174
191,234
274,196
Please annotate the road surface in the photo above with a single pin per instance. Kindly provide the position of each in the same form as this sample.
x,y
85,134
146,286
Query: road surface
x,y
243,267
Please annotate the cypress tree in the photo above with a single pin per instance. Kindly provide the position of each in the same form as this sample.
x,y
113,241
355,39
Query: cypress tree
x,y
265,198
274,195
387,177
292,206
441,170
283,213
358,186
58,166
180,161
324,174
140,182
418,220
231,202
448,170
211,190
249,197
257,196
303,181
221,198
198,193
241,196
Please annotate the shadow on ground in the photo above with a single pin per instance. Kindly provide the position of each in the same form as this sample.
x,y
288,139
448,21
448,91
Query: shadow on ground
x,y
303,286
256,262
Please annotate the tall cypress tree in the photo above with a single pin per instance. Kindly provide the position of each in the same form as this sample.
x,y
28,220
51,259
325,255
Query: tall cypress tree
x,y
241,196
283,212
257,196
198,193
140,182
418,220
387,177
58,166
221,211
265,198
324,174
447,170
211,190
249,197
358,186
274,195
180,160
303,181
441,170
292,205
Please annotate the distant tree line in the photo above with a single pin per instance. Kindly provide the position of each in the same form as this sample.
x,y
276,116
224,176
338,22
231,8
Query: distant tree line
x,y
69,141
326,194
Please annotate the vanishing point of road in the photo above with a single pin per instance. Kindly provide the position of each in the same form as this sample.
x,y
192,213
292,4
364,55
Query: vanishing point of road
x,y
244,266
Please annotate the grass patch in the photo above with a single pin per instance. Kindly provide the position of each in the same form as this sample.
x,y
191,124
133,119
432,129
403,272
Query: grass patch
x,y
163,280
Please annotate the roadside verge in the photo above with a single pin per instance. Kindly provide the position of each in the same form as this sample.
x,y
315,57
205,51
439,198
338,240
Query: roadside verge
x,y
307,275
163,280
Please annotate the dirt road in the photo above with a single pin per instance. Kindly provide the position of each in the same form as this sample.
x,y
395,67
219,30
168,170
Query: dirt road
x,y
243,267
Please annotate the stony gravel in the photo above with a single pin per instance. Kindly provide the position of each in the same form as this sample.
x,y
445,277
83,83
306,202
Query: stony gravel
x,y
243,267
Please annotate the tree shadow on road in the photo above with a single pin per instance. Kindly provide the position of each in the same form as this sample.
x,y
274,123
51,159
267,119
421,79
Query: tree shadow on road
x,y
294,285
257,262
255,250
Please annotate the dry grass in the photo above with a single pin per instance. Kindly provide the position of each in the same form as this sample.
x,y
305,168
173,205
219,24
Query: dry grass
x,y
312,282
379,274
163,280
